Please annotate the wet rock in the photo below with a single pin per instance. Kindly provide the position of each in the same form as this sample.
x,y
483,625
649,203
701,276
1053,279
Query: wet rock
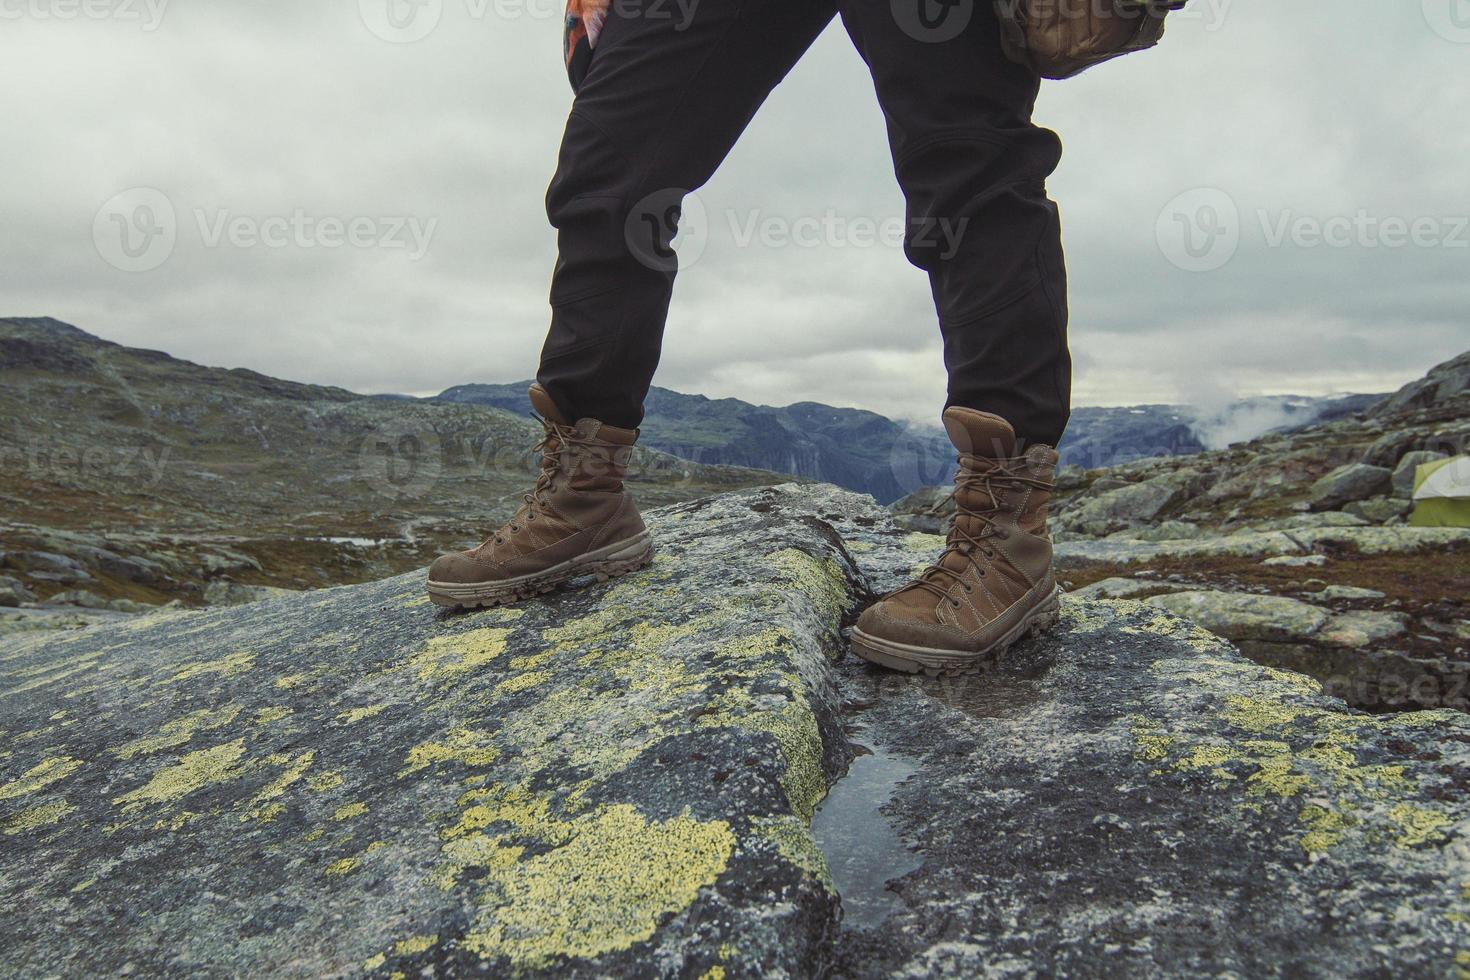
x,y
1403,473
1355,481
1134,785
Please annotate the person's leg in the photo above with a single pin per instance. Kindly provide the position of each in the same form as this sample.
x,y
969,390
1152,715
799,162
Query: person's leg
x,y
665,98
973,168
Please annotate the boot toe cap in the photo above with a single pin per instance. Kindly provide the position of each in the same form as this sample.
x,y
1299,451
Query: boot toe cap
x,y
459,568
907,624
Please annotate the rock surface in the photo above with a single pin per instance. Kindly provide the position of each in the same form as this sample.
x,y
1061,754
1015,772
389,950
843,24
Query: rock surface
x,y
618,781
1356,481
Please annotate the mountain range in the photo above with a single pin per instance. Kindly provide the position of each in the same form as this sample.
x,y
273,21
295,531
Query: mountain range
x,y
864,451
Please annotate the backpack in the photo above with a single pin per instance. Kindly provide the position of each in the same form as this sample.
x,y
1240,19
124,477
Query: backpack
x,y
1062,38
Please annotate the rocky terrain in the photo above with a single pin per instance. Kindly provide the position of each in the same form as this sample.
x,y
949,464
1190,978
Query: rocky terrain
x,y
130,479
654,778
1293,545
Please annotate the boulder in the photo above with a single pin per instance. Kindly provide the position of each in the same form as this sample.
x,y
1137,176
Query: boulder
x,y
1355,481
1246,615
13,592
1119,588
222,592
1121,507
1379,510
1296,561
77,597
1363,628
1349,593
618,780
47,566
1163,531
1403,474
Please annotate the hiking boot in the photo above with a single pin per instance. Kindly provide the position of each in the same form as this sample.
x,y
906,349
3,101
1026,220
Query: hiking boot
x,y
993,584
578,520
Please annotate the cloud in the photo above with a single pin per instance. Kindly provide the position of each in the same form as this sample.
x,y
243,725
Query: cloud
x,y
263,112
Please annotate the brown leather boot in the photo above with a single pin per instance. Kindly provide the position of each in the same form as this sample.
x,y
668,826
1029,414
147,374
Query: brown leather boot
x,y
578,520
993,584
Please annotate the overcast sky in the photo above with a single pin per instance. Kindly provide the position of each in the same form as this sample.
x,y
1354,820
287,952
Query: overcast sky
x,y
1252,125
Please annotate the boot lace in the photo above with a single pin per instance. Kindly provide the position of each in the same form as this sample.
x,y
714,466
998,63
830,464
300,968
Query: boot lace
x,y
550,447
976,474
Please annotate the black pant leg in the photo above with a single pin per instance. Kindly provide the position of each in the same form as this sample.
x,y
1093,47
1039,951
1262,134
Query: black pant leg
x,y
973,169
664,100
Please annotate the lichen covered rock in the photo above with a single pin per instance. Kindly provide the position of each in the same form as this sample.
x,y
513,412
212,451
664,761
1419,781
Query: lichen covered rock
x,y
619,780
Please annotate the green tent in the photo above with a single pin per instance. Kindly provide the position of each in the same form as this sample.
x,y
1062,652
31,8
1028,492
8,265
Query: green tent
x,y
1442,493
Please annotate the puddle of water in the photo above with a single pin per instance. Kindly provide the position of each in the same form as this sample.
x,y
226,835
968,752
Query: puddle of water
x,y
355,542
1002,693
862,850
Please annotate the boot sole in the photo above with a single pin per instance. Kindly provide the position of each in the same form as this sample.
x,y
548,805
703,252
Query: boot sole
x,y
609,561
937,661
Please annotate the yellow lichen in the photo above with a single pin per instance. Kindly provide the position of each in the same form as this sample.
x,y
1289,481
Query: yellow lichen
x,y
260,807
343,866
460,745
36,817
415,944
349,811
793,841
266,716
39,777
325,781
522,682
228,666
291,681
374,962
354,715
605,889
178,731
446,657
1415,825
192,772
